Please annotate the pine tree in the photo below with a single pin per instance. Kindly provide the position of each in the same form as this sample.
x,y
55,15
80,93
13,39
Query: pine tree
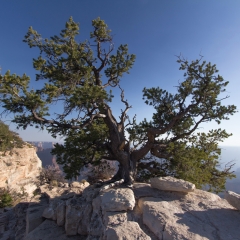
x,y
77,75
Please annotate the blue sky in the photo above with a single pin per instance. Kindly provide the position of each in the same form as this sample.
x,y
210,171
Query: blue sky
x,y
155,30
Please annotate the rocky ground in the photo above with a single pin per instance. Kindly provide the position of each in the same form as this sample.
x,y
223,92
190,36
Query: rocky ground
x,y
166,209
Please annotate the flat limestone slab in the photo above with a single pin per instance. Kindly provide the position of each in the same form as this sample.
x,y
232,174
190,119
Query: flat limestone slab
x,y
172,184
198,215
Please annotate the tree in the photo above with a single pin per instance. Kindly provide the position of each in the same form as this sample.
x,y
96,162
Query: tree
x,y
78,77
9,139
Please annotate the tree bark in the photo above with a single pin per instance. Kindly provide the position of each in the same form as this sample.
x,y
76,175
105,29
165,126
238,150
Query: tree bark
x,y
127,171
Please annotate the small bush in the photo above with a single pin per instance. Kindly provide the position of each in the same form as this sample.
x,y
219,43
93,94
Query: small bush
x,y
54,183
6,199
102,171
36,192
83,181
51,174
11,197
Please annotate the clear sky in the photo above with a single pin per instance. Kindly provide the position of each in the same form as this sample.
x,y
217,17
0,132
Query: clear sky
x,y
155,30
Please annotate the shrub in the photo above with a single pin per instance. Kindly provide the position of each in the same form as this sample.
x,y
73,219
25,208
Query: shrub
x,y
36,192
103,171
51,175
6,199
54,183
83,181
11,197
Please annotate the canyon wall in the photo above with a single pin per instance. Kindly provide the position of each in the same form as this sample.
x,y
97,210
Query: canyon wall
x,y
19,168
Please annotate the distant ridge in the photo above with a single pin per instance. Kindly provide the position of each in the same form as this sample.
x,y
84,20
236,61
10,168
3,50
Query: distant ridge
x,y
42,145
43,150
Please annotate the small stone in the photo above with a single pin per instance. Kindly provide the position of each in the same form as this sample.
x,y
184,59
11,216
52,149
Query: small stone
x,y
81,185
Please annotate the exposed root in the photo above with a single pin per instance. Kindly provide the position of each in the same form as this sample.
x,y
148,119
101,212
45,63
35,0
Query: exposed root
x,y
111,185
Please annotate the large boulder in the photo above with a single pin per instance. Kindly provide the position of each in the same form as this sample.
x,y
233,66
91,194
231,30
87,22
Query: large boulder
x,y
34,215
50,211
233,198
13,222
121,199
127,230
172,184
49,230
109,209
141,190
197,215
78,216
68,209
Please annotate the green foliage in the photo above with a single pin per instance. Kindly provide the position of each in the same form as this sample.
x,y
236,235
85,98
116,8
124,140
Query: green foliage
x,y
8,139
74,74
190,155
82,147
36,192
73,78
5,199
197,98
197,160
11,197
